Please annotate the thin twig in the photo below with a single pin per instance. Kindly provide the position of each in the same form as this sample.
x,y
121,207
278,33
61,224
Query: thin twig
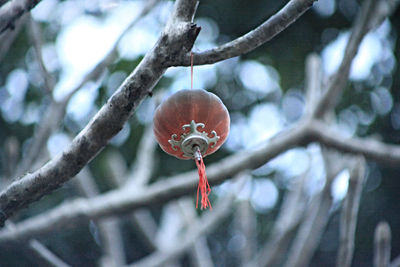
x,y
348,219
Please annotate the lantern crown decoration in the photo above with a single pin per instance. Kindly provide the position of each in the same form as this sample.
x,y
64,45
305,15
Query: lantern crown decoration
x,y
192,124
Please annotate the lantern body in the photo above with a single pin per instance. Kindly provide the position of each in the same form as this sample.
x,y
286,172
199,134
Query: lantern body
x,y
191,107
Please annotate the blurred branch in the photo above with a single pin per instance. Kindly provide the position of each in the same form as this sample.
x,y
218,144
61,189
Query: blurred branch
x,y
387,154
316,216
36,36
338,82
251,40
247,224
199,227
55,112
11,12
313,81
46,255
284,229
382,245
395,262
8,37
106,123
348,217
111,236
199,252
136,178
40,251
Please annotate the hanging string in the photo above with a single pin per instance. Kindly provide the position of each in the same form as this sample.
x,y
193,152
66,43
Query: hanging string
x,y
191,70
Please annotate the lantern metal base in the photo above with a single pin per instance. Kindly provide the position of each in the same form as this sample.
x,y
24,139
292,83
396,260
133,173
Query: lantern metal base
x,y
189,141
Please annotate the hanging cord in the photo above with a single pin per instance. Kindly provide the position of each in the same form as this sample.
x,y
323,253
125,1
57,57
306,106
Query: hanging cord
x,y
191,70
204,186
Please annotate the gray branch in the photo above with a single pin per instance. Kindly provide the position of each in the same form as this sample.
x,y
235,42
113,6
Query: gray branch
x,y
106,123
12,11
348,217
248,42
46,254
369,12
382,245
316,215
380,152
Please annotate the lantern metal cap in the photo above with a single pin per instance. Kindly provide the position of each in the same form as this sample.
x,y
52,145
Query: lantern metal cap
x,y
194,138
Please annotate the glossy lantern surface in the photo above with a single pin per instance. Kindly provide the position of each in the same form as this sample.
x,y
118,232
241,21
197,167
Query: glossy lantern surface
x,y
183,107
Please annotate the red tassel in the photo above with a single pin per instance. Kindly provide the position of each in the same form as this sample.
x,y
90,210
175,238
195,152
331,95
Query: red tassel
x,y
204,186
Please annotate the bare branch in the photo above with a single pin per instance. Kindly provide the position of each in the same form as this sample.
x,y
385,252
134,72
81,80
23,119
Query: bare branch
x,y
316,216
46,254
386,154
111,236
285,226
11,11
246,220
348,219
244,44
382,245
36,36
313,83
339,79
120,201
395,262
106,123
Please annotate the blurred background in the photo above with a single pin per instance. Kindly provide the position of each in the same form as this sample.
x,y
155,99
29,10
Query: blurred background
x,y
263,91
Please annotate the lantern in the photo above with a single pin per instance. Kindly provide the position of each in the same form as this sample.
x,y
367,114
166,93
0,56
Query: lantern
x,y
192,124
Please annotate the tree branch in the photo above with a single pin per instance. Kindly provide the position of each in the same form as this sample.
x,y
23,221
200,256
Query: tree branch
x,y
106,123
260,35
11,11
340,78
382,245
379,152
348,217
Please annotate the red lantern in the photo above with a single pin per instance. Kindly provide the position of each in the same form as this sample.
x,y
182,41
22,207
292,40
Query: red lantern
x,y
192,124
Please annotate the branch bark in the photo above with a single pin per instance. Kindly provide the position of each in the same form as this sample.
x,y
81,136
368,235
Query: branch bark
x,y
11,12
